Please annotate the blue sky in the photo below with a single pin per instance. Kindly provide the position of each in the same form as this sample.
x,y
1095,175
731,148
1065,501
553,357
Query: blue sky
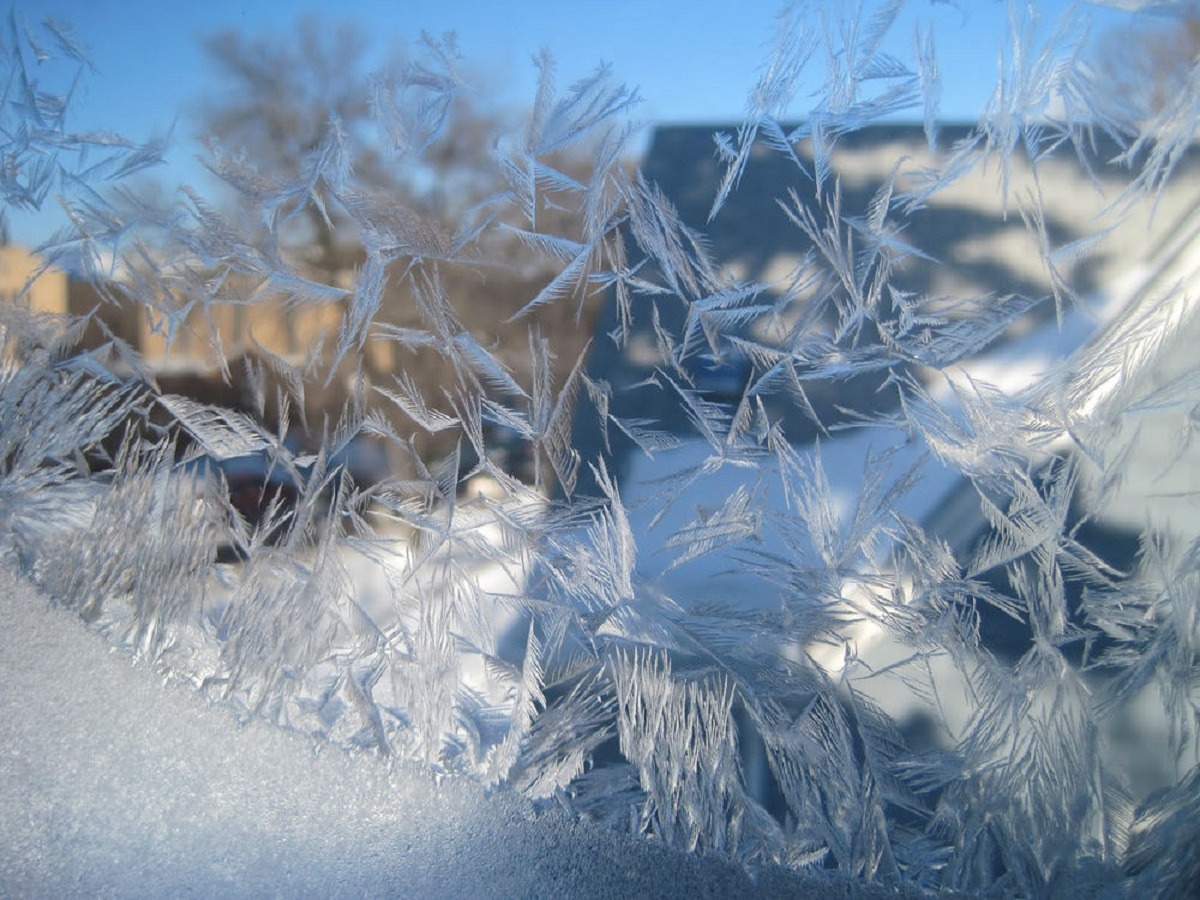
x,y
691,60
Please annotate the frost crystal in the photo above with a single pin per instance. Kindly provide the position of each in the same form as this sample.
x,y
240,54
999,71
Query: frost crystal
x,y
821,551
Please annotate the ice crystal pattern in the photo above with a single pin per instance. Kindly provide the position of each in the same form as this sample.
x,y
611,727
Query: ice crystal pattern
x,y
528,636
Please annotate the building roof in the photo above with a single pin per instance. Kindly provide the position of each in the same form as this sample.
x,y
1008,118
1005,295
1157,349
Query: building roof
x,y
977,238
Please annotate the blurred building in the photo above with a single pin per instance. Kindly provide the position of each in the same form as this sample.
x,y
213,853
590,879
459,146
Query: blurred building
x,y
24,279
199,339
976,240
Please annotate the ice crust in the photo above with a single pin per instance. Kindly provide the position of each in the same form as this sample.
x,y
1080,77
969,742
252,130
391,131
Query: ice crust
x,y
111,785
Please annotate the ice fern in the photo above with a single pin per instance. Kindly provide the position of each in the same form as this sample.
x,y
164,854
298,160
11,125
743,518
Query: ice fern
x,y
720,620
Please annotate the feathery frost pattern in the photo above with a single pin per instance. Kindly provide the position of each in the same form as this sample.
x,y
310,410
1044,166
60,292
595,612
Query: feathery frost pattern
x,y
695,626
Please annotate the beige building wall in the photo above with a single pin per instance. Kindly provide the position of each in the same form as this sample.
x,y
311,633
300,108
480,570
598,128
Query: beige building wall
x,y
288,333
24,280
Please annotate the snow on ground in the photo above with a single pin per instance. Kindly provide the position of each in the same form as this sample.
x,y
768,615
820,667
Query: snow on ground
x,y
724,573
113,785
